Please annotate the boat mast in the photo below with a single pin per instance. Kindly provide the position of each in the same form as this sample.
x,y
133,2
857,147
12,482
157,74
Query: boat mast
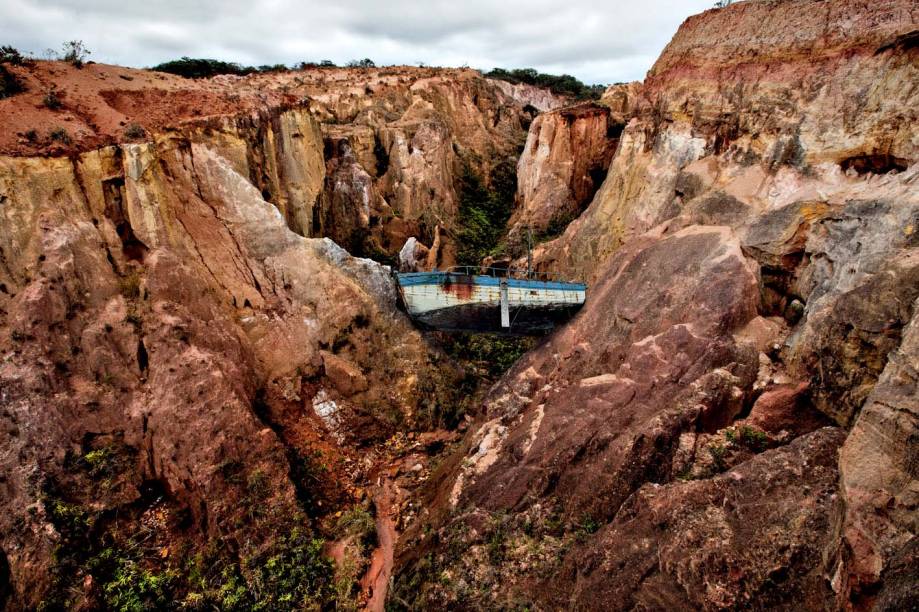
x,y
529,252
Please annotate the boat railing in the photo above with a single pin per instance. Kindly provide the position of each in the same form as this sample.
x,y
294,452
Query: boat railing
x,y
510,272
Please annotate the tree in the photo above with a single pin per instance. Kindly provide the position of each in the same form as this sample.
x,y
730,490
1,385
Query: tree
x,y
11,55
364,63
75,52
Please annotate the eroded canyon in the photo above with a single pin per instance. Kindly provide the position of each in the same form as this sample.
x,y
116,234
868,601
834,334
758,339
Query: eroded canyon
x,y
210,398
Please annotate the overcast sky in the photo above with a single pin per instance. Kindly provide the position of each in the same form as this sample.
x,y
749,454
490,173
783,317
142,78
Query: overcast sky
x,y
599,42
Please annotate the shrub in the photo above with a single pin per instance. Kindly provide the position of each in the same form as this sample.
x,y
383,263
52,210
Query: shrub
x,y
273,68
107,461
588,526
363,63
293,574
753,439
75,52
60,135
483,211
11,55
52,100
135,130
10,85
556,227
134,588
494,354
565,84
357,522
130,285
68,518
199,68
717,452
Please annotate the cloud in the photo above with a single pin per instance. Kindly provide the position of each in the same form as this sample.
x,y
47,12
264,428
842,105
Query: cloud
x,y
597,42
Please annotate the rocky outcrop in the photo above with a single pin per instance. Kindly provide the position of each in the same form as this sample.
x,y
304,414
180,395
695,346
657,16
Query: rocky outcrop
x,y
166,331
729,109
722,542
564,162
878,480
529,95
348,200
181,337
412,131
751,260
622,99
199,386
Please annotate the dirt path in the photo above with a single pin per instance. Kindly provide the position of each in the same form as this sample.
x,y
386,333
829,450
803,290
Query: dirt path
x,y
376,581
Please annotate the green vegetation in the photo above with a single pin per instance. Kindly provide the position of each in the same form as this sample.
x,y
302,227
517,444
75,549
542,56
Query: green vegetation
x,y
753,439
359,523
199,68
202,68
10,85
588,526
293,575
11,55
718,452
68,518
564,84
130,285
363,63
272,68
484,210
129,586
52,100
130,573
492,355
75,52
102,462
60,135
322,64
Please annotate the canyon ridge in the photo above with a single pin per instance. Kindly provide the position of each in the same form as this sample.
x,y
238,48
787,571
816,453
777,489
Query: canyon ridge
x,y
211,396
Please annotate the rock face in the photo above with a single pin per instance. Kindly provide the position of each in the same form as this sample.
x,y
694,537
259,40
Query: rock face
x,y
414,133
804,117
730,421
348,199
878,480
564,162
530,95
161,319
411,133
721,542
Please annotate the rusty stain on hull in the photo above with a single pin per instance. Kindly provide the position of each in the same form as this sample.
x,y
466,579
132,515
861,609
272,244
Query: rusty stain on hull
x,y
462,288
467,302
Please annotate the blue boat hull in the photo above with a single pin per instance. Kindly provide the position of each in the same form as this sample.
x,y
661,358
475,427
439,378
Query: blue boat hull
x,y
464,302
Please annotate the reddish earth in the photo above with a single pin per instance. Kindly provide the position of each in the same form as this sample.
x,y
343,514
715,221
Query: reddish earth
x,y
198,386
376,581
725,424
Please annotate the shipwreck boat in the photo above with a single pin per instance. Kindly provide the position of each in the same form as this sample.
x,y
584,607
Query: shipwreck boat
x,y
468,298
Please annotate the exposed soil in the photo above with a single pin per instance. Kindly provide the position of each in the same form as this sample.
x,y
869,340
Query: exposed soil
x,y
375,582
